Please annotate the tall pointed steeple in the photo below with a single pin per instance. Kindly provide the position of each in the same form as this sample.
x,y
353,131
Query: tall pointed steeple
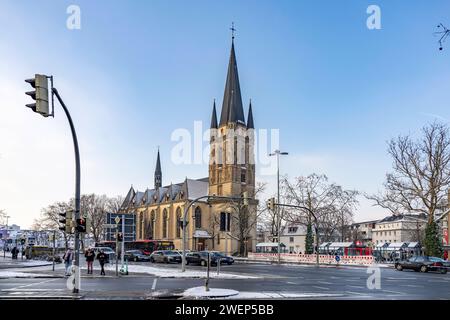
x,y
214,117
158,173
232,110
250,124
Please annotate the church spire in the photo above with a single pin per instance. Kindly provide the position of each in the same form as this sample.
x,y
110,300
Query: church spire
x,y
250,124
232,110
158,173
214,117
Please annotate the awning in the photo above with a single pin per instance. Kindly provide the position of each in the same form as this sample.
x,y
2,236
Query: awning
x,y
269,244
340,245
396,245
201,234
382,245
413,245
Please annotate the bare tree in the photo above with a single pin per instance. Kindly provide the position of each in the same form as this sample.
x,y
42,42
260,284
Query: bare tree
x,y
49,219
243,221
333,205
421,173
2,217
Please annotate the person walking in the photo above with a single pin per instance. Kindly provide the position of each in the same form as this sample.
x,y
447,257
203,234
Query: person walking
x,y
101,257
68,257
90,256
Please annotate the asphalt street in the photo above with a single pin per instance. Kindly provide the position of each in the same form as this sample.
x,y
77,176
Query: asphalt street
x,y
325,282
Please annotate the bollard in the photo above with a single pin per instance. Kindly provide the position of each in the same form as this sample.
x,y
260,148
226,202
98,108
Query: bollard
x,y
218,266
207,274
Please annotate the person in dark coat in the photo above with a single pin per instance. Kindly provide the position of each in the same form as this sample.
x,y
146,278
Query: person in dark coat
x,y
90,256
101,257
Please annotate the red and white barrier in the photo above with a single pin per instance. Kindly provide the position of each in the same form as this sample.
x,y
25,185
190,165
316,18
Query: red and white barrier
x,y
311,258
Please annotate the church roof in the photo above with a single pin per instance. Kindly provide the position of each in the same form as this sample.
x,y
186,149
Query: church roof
x,y
232,110
214,117
250,124
193,187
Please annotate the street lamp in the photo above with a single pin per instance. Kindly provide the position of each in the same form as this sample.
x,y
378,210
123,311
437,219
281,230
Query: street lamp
x,y
278,153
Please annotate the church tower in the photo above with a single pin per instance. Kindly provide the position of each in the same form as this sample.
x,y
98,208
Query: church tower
x,y
232,165
158,173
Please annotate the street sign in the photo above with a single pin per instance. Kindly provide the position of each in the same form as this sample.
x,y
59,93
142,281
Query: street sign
x,y
117,220
110,225
337,258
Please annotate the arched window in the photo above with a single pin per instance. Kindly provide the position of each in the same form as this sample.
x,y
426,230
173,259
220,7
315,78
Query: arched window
x,y
165,223
198,218
152,224
179,222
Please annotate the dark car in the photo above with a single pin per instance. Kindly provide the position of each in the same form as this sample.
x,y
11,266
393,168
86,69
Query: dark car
x,y
224,259
166,256
201,258
423,264
136,255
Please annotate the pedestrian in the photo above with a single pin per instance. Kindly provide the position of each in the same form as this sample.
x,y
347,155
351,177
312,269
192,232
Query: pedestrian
x,y
68,257
101,257
90,256
14,252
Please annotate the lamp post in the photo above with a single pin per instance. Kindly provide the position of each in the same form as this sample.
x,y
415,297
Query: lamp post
x,y
278,153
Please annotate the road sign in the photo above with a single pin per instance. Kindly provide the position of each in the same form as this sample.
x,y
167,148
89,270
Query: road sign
x,y
110,225
337,258
117,220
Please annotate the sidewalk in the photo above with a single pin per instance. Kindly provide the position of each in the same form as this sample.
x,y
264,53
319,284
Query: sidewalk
x,y
7,262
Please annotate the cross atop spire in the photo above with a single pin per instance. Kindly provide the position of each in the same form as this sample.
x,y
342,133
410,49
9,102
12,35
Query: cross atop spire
x,y
232,30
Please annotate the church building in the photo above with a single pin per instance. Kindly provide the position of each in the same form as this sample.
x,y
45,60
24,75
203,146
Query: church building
x,y
215,224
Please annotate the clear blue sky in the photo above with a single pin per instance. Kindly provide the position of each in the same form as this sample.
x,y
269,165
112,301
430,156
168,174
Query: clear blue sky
x,y
137,70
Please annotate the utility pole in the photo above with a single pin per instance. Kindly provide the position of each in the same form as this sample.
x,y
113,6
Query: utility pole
x,y
122,255
6,238
278,153
54,242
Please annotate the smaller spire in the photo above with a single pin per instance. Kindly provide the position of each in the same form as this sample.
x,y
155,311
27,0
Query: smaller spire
x,y
250,124
214,117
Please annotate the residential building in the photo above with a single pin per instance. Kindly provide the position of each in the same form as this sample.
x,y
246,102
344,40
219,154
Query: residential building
x,y
399,228
293,236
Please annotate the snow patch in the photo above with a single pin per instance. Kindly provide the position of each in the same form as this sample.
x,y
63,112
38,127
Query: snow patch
x,y
176,273
11,274
212,293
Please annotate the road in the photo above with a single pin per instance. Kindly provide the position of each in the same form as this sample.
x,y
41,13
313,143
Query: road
x,y
276,281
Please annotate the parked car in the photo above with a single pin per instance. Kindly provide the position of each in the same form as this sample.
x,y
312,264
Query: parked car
x,y
136,255
423,264
166,256
201,258
224,259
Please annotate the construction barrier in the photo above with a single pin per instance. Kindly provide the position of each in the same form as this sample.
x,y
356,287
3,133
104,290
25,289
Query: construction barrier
x,y
311,258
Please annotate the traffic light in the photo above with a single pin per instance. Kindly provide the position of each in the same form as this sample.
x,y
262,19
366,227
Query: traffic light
x,y
40,94
22,241
81,224
66,221
271,203
120,237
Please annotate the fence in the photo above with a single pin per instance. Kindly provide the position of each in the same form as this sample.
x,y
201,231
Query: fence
x,y
311,258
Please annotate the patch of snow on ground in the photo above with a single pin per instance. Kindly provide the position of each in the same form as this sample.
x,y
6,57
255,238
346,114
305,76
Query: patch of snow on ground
x,y
176,273
213,292
11,274
279,295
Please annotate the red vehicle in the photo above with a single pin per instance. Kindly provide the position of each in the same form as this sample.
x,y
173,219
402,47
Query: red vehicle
x,y
146,246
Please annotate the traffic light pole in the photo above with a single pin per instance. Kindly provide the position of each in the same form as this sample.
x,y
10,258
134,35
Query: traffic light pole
x,y
76,287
